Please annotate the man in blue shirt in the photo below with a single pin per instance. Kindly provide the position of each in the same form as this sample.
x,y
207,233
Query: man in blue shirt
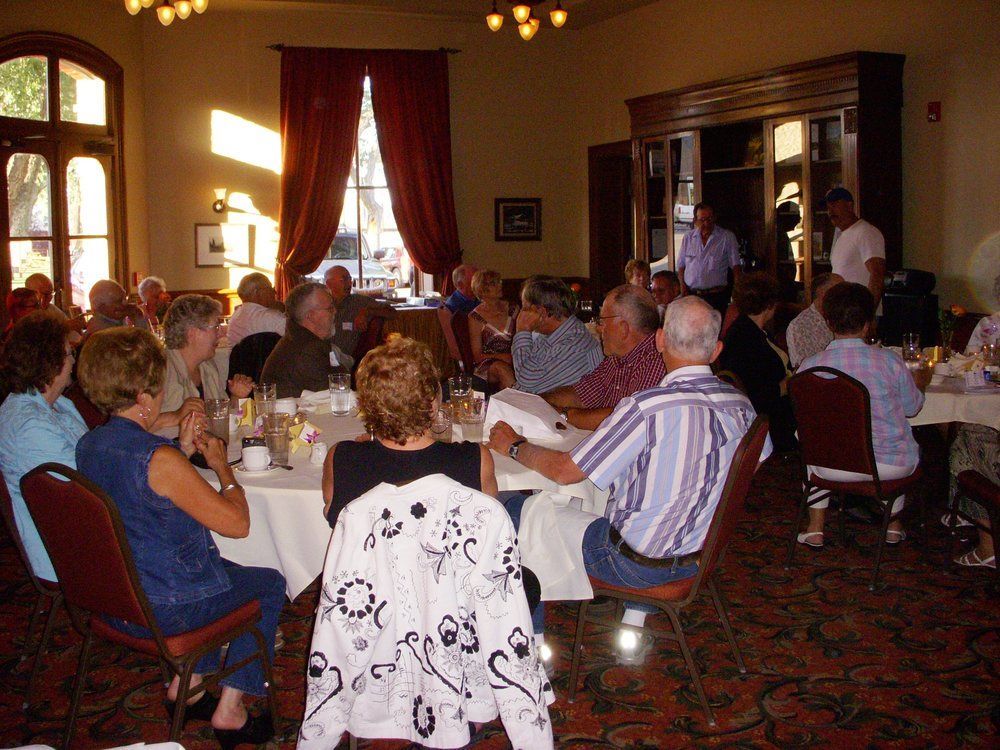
x,y
463,299
708,253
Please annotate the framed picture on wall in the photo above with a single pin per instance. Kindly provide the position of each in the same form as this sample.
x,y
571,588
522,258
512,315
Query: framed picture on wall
x,y
222,245
517,219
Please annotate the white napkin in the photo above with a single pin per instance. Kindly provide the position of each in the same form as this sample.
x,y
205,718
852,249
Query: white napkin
x,y
528,414
551,544
318,402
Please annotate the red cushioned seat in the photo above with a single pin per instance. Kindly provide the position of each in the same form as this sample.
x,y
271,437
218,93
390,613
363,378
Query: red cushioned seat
x,y
671,597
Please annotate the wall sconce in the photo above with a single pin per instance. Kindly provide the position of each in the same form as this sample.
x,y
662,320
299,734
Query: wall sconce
x,y
220,200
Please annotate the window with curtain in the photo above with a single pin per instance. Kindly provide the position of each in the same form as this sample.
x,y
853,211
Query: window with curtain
x,y
368,242
61,206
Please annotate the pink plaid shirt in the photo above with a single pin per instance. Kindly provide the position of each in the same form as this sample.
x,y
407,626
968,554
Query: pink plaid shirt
x,y
618,377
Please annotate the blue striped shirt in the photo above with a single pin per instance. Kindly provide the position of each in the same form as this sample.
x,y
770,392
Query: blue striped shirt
x,y
664,453
542,363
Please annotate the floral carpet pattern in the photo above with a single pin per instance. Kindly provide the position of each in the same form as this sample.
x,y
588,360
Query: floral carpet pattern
x,y
913,664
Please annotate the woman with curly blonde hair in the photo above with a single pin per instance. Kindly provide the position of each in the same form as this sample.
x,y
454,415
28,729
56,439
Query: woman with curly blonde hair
x,y
398,396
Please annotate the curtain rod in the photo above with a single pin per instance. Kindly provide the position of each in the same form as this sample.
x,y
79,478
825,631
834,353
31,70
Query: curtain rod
x,y
450,50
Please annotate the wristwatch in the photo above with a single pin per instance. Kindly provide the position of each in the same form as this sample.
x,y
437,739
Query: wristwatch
x,y
514,447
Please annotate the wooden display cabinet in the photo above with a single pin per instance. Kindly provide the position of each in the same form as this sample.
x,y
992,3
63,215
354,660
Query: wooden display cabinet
x,y
763,149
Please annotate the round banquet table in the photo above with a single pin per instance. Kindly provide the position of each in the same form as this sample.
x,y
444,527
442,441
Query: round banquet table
x,y
948,401
287,529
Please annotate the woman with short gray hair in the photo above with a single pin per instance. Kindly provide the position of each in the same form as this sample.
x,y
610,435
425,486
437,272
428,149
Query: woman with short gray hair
x,y
192,330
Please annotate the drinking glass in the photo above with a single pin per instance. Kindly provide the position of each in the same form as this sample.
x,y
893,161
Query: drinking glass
x,y
460,393
217,411
441,426
265,396
585,310
472,420
276,436
340,393
911,347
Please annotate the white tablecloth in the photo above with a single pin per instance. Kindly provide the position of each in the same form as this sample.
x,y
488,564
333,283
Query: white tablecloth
x,y
948,402
287,529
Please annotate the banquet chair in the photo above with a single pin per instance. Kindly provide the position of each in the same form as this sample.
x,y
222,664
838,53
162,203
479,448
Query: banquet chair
x,y
444,318
85,539
92,416
671,598
833,412
460,326
250,354
984,493
46,592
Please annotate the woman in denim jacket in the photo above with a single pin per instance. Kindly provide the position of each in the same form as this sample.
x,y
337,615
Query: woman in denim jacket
x,y
168,510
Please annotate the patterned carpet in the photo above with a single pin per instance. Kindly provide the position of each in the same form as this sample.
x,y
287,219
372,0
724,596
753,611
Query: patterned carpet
x,y
913,664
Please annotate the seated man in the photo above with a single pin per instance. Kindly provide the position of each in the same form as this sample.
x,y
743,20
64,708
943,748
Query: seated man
x,y
463,299
628,332
664,454
110,308
304,357
666,287
808,333
258,313
551,347
153,299
353,310
42,284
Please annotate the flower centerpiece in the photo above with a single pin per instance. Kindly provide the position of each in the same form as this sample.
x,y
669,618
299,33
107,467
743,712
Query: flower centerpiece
x,y
947,320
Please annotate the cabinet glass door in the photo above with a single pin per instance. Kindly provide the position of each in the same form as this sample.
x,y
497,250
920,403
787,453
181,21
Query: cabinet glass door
x,y
826,171
656,181
788,166
683,194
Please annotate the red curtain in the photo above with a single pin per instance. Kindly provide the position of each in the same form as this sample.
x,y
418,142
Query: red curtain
x,y
411,104
321,92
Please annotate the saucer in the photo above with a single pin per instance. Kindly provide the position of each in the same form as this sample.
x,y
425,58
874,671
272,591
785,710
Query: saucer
x,y
257,473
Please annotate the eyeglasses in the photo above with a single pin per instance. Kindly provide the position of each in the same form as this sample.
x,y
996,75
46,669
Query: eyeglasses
x,y
600,320
215,328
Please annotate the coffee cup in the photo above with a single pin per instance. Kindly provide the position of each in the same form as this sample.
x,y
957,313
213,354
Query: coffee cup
x,y
318,455
256,458
286,406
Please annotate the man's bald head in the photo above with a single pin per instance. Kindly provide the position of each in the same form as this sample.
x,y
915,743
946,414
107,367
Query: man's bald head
x,y
107,297
691,330
42,284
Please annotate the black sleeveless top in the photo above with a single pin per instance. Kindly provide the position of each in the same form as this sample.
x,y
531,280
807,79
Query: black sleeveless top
x,y
357,467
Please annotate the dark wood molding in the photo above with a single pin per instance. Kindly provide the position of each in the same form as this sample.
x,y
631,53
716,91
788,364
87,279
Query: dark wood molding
x,y
826,83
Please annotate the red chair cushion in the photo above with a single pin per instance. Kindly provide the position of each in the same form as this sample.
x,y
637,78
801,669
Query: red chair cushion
x,y
182,643
674,591
890,487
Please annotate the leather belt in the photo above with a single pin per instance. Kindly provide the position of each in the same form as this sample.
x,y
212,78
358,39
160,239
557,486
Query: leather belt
x,y
650,562
713,290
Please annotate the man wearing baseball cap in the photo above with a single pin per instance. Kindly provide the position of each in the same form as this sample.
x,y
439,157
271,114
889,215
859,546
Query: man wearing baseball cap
x,y
858,253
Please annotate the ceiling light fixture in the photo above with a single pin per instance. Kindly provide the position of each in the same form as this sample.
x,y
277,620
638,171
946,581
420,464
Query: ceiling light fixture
x,y
167,10
527,22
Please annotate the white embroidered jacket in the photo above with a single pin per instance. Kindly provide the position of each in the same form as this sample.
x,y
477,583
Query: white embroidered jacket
x,y
422,623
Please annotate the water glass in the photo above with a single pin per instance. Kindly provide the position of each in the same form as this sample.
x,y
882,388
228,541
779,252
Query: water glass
x,y
585,310
340,394
276,436
472,420
460,393
265,396
911,346
441,426
217,412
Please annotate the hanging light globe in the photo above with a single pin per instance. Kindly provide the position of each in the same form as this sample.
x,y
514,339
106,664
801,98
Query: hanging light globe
x,y
166,13
133,6
521,12
558,15
183,8
199,5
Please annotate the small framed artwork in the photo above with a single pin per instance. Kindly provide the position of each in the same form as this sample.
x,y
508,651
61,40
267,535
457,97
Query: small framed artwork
x,y
220,245
517,219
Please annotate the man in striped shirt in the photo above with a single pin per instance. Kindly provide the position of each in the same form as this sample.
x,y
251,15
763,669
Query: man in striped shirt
x,y
664,454
628,324
551,347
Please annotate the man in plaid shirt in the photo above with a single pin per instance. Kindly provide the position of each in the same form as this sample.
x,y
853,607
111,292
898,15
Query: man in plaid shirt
x,y
628,324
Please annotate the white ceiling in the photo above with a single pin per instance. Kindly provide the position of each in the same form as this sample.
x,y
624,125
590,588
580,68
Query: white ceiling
x,y
581,12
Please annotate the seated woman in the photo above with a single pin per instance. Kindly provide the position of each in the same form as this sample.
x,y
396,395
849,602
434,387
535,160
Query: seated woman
x,y
37,423
637,273
154,300
398,396
20,303
977,447
759,363
192,332
849,310
491,328
168,510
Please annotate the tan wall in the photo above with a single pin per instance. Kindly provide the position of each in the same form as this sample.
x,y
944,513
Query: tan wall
x,y
523,114
951,209
118,36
